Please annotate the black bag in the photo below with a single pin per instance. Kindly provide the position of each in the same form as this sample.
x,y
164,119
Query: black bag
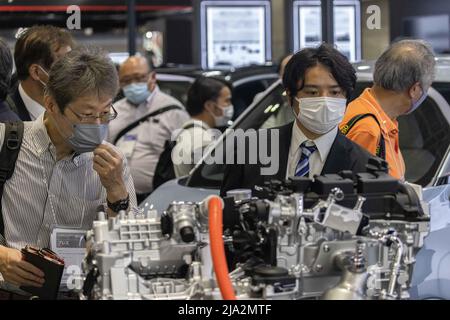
x,y
8,157
164,168
381,147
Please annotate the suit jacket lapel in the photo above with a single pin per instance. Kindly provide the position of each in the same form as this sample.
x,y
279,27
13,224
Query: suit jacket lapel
x,y
339,158
285,135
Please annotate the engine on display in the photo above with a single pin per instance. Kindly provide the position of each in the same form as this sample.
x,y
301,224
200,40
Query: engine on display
x,y
337,236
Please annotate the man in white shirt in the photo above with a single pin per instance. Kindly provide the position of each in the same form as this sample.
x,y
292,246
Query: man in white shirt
x,y
36,49
144,143
209,105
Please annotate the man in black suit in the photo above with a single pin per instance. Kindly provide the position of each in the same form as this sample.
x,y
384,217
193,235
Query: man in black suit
x,y
36,49
318,82
6,65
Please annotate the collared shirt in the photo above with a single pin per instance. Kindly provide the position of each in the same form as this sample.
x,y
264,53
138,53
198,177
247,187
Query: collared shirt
x,y
366,132
191,145
44,192
317,158
34,108
150,136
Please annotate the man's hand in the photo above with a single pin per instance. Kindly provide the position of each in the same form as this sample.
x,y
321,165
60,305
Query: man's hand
x,y
108,164
17,271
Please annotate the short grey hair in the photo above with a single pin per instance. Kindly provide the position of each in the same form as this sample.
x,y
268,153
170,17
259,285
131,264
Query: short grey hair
x,y
403,64
6,65
83,71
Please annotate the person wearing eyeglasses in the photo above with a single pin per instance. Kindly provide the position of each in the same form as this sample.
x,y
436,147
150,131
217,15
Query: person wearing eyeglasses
x,y
147,118
65,169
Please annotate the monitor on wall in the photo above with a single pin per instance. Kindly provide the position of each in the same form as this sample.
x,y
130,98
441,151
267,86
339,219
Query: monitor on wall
x,y
235,33
434,29
306,26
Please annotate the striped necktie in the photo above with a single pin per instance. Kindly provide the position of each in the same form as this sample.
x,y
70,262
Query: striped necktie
x,y
302,169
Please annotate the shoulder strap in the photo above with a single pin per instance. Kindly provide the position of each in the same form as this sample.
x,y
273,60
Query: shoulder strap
x,y
144,118
11,104
381,147
190,125
8,157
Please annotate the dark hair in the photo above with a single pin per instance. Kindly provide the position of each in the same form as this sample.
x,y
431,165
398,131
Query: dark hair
x,y
203,89
37,45
326,55
6,65
83,71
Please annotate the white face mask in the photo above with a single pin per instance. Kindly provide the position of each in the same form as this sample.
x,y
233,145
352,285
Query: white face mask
x,y
227,115
322,114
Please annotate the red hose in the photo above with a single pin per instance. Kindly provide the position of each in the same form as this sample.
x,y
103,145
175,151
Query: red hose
x,y
217,248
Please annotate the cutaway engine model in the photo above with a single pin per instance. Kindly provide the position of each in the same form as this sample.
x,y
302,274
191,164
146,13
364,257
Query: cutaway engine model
x,y
335,237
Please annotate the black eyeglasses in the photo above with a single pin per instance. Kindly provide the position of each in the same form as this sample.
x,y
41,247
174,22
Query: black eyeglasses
x,y
105,117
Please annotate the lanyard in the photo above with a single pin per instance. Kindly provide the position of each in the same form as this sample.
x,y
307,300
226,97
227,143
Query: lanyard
x,y
50,196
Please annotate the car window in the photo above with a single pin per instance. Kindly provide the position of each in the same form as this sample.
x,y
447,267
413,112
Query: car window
x,y
244,94
211,175
176,89
424,138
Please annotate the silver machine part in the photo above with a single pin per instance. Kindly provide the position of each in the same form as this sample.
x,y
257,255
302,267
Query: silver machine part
x,y
319,247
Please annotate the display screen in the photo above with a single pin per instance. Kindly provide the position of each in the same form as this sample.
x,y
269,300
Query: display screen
x,y
434,29
307,26
310,26
344,31
235,33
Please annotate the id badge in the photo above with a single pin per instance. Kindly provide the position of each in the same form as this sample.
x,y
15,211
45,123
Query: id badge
x,y
69,244
127,144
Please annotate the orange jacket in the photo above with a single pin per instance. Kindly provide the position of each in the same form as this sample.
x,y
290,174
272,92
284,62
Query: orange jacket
x,y
366,132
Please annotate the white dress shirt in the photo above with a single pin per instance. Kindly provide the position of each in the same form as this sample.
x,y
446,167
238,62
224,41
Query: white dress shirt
x,y
317,158
34,108
150,136
45,192
191,145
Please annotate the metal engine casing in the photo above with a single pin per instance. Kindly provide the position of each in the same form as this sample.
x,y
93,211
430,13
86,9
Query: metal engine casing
x,y
324,251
